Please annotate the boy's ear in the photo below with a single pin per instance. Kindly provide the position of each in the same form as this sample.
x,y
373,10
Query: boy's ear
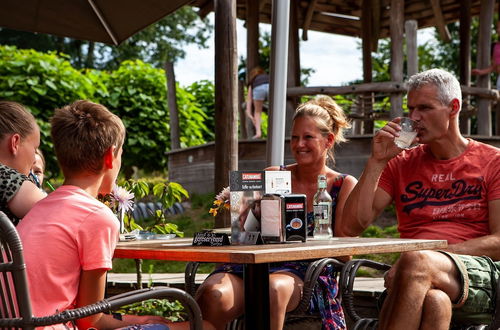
x,y
13,143
109,157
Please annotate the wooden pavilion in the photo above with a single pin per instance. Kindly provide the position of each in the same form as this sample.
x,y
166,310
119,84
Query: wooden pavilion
x,y
369,20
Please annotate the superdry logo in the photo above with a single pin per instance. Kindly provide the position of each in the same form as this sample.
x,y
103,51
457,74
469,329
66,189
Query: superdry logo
x,y
251,176
294,206
418,196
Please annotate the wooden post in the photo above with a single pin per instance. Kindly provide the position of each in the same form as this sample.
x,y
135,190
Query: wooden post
x,y
376,13
172,106
293,77
226,98
483,60
396,26
244,120
252,23
465,59
411,47
366,106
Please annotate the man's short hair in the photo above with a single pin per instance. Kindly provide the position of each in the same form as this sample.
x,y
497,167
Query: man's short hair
x,y
82,132
448,87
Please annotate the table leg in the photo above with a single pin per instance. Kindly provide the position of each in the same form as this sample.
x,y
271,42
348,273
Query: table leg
x,y
256,277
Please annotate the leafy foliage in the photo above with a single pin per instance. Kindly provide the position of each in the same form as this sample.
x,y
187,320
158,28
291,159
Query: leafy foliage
x,y
43,82
162,41
137,96
171,310
167,193
204,93
135,92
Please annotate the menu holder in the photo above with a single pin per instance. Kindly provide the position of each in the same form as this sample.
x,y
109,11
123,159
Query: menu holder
x,y
251,238
209,238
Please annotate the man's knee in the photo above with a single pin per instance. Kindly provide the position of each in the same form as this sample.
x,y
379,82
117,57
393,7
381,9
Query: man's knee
x,y
437,299
414,261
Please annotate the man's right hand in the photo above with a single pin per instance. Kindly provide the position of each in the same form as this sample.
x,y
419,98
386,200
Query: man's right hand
x,y
383,146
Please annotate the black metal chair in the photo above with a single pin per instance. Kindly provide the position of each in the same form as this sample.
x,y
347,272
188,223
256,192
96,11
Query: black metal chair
x,y
15,304
346,284
299,318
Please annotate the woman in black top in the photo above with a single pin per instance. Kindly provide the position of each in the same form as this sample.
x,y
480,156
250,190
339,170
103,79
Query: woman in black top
x,y
19,138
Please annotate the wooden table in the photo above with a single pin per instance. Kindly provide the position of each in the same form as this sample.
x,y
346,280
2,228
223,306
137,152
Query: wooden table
x,y
256,259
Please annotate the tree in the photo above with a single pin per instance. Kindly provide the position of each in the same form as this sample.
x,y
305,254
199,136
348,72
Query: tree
x,y
160,42
156,44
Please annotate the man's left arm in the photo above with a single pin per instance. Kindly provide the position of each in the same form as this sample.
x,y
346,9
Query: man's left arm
x,y
488,245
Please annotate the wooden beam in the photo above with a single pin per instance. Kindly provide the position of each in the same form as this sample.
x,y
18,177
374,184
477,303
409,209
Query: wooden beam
x,y
252,24
366,30
483,61
262,4
382,87
226,97
206,8
308,19
397,18
464,57
411,47
444,34
172,106
376,13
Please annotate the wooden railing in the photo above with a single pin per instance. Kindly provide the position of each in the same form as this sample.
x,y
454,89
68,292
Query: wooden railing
x,y
367,102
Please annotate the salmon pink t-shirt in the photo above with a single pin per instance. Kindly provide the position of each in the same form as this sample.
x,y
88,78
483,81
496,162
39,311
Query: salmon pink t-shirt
x,y
63,234
443,199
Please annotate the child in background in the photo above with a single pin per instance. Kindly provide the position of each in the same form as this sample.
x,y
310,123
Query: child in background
x,y
38,168
69,238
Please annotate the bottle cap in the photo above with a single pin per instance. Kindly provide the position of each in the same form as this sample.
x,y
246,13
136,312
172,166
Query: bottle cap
x,y
321,181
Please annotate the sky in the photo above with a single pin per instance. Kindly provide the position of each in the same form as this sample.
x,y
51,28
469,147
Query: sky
x,y
336,59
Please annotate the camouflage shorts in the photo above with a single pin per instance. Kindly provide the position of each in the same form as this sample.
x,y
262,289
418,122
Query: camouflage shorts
x,y
479,276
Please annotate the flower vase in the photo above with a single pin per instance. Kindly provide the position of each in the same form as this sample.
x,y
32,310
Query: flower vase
x,y
121,217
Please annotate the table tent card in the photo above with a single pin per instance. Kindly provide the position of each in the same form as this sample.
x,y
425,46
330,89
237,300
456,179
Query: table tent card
x,y
246,191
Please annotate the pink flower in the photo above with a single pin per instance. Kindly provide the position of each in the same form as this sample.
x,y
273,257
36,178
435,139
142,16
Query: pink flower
x,y
122,197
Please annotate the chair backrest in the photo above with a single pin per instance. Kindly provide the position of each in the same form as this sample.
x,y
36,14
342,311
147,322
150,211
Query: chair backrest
x,y
15,299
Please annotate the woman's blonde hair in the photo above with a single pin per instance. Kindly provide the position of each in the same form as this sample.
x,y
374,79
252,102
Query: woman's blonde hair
x,y
329,117
254,73
14,118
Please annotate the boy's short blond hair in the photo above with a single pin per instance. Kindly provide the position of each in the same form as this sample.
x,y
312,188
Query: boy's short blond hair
x,y
82,132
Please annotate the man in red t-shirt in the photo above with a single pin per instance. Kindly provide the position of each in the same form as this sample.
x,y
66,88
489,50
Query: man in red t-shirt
x,y
448,187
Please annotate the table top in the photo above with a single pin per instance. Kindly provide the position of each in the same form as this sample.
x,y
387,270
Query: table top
x,y
180,249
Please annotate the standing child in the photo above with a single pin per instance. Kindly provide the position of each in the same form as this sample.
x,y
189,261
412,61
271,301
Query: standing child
x,y
69,238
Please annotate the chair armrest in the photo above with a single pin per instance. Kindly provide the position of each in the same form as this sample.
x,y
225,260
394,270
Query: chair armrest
x,y
190,277
346,282
314,270
114,303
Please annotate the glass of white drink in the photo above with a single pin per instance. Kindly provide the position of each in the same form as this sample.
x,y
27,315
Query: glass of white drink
x,y
407,134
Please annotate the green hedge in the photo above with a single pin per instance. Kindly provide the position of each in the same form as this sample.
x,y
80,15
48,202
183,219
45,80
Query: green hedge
x,y
135,91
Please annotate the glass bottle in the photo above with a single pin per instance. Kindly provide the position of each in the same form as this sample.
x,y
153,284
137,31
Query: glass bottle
x,y
322,206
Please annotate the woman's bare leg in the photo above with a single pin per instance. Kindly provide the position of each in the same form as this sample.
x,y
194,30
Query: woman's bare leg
x,y
257,104
285,291
221,299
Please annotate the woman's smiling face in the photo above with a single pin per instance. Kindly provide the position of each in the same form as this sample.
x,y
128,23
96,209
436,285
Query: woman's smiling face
x,y
308,145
